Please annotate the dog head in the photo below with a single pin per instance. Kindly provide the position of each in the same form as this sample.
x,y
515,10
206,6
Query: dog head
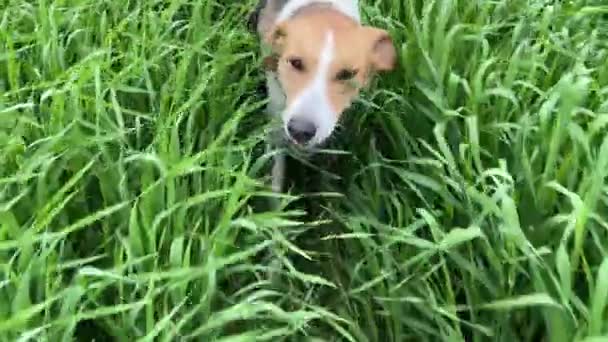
x,y
322,58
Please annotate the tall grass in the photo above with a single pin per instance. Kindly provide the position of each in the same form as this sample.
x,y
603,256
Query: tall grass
x,y
469,200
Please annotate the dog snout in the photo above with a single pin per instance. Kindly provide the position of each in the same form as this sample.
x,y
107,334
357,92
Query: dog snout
x,y
301,131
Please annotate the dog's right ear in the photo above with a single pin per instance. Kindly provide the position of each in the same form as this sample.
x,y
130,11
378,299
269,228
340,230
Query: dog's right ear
x,y
274,39
383,53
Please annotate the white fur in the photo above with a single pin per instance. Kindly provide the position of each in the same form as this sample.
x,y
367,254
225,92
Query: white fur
x,y
313,102
275,93
275,108
278,172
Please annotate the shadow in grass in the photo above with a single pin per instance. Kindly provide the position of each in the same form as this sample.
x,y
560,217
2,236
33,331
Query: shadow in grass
x,y
89,330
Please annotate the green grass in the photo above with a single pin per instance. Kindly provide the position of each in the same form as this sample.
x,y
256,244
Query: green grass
x,y
469,202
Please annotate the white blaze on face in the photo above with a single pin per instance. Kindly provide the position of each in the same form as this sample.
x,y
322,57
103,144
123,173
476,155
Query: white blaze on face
x,y
313,104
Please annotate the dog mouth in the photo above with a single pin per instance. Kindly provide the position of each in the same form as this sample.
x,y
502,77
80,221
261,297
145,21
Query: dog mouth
x,y
309,146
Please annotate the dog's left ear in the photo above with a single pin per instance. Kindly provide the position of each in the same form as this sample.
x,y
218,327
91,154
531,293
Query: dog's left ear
x,y
276,37
383,53
274,40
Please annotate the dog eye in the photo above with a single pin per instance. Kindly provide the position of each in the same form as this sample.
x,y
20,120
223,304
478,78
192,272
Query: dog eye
x,y
296,63
346,74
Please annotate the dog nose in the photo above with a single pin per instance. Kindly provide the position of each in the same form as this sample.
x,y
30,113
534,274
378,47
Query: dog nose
x,y
302,131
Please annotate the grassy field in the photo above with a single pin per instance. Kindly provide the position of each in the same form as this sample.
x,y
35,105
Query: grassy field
x,y
464,198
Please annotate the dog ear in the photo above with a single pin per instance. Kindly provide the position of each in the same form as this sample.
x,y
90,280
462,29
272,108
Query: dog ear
x,y
276,37
383,54
274,40
264,16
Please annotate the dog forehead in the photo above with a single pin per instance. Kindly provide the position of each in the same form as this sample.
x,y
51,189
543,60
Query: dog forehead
x,y
306,41
307,37
315,25
350,47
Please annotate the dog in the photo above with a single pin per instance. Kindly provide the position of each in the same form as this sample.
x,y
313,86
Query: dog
x,y
319,56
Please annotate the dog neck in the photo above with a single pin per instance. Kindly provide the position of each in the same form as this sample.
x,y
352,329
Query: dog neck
x,y
292,8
